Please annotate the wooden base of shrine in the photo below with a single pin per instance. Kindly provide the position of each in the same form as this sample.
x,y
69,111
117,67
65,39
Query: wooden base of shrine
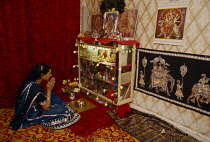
x,y
88,105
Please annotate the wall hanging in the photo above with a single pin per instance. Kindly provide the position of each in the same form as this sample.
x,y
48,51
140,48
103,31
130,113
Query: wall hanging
x,y
181,79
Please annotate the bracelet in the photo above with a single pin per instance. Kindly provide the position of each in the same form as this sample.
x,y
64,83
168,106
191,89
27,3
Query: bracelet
x,y
48,98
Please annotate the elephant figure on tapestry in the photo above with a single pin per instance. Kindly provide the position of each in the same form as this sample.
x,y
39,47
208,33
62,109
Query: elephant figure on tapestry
x,y
161,84
199,94
160,77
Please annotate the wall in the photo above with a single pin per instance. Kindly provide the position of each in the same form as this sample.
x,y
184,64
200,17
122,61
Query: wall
x,y
196,41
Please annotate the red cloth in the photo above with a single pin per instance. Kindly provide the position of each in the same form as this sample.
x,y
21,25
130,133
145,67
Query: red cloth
x,y
123,110
36,31
123,42
109,40
91,120
110,94
90,40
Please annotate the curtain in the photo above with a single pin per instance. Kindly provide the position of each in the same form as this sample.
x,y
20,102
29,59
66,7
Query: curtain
x,y
36,31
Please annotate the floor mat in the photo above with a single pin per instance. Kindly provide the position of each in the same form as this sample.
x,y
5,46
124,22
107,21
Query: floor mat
x,y
148,128
94,118
88,105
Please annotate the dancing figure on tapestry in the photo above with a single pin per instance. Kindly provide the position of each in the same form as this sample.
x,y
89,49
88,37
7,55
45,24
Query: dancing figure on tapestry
x,y
200,91
160,76
141,81
170,23
179,92
142,74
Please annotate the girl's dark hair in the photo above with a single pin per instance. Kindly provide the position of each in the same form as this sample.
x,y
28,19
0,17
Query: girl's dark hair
x,y
35,74
37,71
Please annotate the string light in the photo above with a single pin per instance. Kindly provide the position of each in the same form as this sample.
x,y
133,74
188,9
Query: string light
x,y
97,98
104,90
106,104
75,66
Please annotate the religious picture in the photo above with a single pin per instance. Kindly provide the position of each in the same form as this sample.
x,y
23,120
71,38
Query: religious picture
x,y
170,23
110,23
97,23
127,23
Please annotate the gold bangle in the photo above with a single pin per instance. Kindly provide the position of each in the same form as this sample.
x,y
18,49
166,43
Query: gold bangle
x,y
48,98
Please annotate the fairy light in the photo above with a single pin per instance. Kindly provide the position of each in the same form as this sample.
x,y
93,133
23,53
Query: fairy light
x,y
106,104
97,98
83,46
75,66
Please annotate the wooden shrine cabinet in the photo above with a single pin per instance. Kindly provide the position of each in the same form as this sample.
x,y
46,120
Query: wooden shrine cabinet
x,y
106,68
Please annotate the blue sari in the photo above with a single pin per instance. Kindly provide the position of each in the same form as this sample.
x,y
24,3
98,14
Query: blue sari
x,y
28,110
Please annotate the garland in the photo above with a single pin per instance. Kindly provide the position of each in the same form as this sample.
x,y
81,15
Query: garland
x,y
107,5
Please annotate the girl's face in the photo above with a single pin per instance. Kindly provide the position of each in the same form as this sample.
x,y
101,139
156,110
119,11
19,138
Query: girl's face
x,y
47,76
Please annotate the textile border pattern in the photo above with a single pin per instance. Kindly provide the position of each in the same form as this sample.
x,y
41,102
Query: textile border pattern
x,y
179,78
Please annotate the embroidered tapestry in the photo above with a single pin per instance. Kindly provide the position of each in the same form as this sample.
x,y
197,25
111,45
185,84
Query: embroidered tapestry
x,y
179,78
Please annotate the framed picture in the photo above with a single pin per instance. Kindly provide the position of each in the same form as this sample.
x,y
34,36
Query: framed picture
x,y
110,22
96,23
127,23
170,22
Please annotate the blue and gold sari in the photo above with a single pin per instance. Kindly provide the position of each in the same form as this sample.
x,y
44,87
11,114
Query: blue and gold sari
x,y
28,110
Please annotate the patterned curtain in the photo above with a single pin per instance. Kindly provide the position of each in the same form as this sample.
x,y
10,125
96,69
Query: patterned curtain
x,y
36,31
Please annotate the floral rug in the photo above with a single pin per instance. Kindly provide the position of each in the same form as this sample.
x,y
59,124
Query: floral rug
x,y
38,133
148,128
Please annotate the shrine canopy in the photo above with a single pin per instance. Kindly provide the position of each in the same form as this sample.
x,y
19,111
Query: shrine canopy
x,y
105,41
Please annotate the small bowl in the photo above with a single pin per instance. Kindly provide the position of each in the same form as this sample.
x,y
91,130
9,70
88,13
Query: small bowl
x,y
80,104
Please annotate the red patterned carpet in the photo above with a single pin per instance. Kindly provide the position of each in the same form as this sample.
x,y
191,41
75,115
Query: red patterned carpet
x,y
95,125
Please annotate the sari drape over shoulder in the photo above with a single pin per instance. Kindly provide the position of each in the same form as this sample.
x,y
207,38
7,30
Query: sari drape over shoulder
x,y
28,110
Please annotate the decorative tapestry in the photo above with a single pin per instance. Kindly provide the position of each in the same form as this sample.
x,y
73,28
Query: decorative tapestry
x,y
179,78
